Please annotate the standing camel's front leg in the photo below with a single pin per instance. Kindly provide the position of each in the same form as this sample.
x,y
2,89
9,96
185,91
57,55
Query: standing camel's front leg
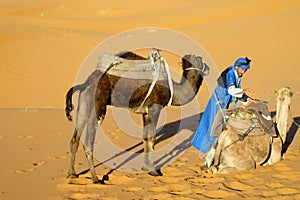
x,y
149,138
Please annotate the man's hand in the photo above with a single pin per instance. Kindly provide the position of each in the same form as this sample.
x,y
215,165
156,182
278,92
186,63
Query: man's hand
x,y
247,91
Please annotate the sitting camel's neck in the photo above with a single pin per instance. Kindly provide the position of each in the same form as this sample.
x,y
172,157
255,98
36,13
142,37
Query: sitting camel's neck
x,y
282,118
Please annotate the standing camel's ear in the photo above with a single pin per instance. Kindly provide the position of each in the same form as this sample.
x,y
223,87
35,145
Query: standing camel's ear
x,y
291,93
276,92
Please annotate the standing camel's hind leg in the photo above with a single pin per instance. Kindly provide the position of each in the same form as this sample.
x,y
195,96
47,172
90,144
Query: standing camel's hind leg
x,y
89,144
74,143
81,119
149,138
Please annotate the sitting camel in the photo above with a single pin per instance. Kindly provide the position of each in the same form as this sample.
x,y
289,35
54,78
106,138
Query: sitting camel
x,y
242,149
97,93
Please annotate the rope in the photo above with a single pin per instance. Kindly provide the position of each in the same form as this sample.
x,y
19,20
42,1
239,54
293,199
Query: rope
x,y
169,80
152,57
204,70
242,137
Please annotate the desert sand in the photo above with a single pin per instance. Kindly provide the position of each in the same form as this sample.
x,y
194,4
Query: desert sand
x,y
42,46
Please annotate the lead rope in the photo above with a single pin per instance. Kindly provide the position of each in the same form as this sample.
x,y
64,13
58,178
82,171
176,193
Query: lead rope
x,y
242,137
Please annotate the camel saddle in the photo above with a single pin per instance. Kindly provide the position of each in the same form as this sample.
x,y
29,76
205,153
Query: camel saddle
x,y
242,118
155,68
133,69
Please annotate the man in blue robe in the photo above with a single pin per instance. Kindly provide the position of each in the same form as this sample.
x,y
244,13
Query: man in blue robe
x,y
228,90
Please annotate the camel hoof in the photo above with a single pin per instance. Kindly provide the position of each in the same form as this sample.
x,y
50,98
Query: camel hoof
x,y
105,178
213,170
97,181
72,175
204,167
155,173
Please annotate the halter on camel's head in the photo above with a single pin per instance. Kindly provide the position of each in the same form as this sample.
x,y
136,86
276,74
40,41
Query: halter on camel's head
x,y
284,92
192,62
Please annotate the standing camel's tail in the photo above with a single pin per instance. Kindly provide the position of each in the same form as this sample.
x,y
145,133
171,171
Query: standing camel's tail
x,y
69,105
92,79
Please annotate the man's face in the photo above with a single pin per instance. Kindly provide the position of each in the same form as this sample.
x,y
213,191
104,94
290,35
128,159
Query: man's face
x,y
240,71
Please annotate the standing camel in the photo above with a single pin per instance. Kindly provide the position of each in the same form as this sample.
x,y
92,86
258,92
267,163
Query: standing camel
x,y
234,154
96,94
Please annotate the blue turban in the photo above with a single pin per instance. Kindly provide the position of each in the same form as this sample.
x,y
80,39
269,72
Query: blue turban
x,y
243,63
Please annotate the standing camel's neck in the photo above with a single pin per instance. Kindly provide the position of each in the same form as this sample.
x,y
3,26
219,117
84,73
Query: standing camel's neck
x,y
186,90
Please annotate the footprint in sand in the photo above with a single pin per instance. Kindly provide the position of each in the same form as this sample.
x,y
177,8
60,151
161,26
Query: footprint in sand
x,y
269,193
180,189
157,189
55,134
25,136
287,191
55,157
113,135
169,180
79,181
290,176
38,163
76,196
282,168
217,194
35,163
160,196
117,180
174,171
24,170
245,176
132,189
30,150
274,185
238,186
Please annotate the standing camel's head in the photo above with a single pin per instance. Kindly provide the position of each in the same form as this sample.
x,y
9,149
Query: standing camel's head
x,y
284,99
284,95
192,62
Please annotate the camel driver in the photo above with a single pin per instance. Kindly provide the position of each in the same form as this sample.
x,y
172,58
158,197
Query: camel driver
x,y
228,90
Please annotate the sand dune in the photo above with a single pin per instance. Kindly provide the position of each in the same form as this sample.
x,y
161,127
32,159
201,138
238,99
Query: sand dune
x,y
42,46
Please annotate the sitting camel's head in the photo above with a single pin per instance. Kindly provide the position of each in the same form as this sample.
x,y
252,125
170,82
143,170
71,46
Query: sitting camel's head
x,y
284,94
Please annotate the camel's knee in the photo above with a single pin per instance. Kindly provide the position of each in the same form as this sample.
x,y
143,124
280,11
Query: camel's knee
x,y
74,142
149,143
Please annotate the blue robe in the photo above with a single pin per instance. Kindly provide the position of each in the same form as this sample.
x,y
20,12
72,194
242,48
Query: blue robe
x,y
220,99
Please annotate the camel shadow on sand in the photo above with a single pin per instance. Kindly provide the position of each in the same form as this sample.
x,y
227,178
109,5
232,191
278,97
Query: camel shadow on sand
x,y
171,129
291,134
165,132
